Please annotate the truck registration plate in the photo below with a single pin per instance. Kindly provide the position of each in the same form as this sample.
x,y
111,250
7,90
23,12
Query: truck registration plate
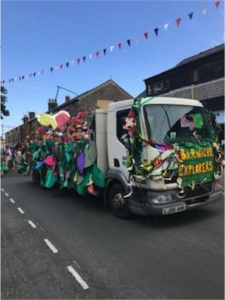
x,y
173,210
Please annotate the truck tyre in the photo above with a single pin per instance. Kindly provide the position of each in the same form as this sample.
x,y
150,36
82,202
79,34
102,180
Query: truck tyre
x,y
118,205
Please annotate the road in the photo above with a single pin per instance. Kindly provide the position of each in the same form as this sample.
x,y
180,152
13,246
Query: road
x,y
58,245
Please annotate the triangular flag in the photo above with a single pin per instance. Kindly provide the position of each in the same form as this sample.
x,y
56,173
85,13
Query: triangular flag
x,y
128,42
97,53
34,74
204,11
191,15
42,72
137,39
56,67
120,45
111,48
78,60
166,26
84,58
67,64
178,21
23,77
156,31
217,3
72,62
146,34
61,66
51,69
39,73
104,51
90,56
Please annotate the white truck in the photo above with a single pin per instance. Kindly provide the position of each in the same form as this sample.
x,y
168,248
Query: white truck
x,y
179,160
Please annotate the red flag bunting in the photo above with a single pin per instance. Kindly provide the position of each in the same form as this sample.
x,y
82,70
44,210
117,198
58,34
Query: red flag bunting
x,y
120,45
78,60
97,53
178,21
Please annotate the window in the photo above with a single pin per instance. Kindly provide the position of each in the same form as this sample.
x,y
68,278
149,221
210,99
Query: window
x,y
158,87
120,120
208,71
175,123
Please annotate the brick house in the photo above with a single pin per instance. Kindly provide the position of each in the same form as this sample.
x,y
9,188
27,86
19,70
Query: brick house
x,y
107,91
199,77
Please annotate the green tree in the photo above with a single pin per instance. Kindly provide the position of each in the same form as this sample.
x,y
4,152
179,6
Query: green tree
x,y
4,110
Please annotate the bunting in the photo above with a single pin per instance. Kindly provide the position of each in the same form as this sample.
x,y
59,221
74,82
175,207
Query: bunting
x,y
156,31
146,35
178,20
191,15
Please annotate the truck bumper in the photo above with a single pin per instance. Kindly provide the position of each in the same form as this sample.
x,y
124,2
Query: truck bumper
x,y
142,207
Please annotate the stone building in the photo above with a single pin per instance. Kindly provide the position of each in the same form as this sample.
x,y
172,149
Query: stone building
x,y
107,91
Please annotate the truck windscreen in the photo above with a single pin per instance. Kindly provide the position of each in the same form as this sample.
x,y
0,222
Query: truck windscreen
x,y
176,123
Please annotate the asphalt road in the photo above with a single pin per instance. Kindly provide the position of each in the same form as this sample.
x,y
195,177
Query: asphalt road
x,y
58,245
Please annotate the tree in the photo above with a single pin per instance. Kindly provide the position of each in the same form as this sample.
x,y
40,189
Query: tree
x,y
4,111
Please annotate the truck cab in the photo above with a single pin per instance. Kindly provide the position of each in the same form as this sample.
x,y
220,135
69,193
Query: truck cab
x,y
172,163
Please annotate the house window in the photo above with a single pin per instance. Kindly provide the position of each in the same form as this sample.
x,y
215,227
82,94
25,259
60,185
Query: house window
x,y
159,87
208,71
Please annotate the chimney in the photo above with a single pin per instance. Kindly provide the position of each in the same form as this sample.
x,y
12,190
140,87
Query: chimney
x,y
31,115
25,119
52,103
67,99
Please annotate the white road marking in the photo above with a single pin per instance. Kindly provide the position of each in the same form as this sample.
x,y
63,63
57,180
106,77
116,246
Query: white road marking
x,y
11,200
20,210
32,224
52,247
7,194
2,190
78,278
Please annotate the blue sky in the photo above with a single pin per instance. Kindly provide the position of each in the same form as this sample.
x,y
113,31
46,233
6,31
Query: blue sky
x,y
38,35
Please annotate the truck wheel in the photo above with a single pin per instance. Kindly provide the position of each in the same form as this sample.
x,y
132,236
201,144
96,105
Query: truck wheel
x,y
118,205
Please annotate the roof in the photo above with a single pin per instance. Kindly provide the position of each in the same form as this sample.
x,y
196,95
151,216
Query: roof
x,y
212,51
203,91
200,55
77,98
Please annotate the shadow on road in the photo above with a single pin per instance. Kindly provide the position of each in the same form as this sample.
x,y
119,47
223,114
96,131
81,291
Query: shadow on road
x,y
69,198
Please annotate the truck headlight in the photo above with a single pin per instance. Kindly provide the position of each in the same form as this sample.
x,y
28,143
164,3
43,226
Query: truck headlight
x,y
160,199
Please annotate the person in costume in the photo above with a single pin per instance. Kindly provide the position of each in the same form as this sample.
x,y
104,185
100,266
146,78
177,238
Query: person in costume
x,y
4,167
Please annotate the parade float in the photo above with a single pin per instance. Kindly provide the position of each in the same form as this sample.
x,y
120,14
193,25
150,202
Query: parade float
x,y
149,156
